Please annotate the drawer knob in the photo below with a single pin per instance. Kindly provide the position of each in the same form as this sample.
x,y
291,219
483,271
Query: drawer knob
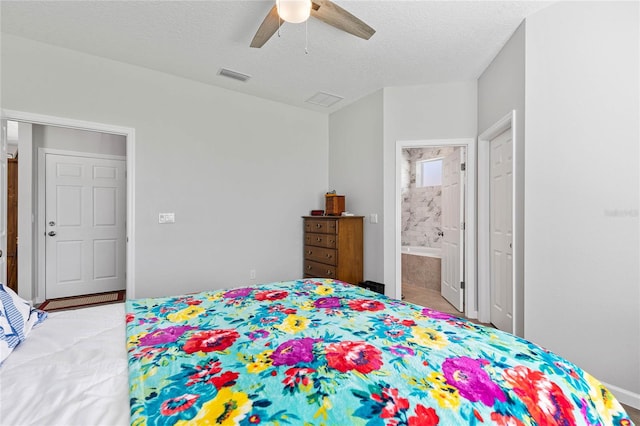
x,y
308,267
318,239
318,225
329,272
329,255
332,241
309,252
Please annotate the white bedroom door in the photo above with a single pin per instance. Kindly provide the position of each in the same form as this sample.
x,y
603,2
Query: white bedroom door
x,y
3,203
501,231
452,270
85,210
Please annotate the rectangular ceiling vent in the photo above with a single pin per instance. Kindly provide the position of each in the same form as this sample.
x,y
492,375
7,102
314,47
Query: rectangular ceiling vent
x,y
234,75
324,99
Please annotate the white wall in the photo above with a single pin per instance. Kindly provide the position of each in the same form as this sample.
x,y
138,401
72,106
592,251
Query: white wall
x,y
78,140
238,171
436,111
501,90
355,169
501,87
582,283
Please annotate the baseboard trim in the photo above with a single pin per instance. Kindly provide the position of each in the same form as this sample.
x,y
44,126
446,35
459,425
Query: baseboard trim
x,y
624,396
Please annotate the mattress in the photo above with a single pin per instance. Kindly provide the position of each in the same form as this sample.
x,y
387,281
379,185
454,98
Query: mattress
x,y
71,370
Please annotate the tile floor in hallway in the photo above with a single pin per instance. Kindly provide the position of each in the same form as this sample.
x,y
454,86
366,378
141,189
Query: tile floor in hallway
x,y
432,299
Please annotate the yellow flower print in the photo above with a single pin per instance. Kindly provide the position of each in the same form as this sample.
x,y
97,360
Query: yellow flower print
x,y
324,290
228,408
259,362
324,409
293,324
307,306
604,400
214,297
134,339
447,396
428,337
185,314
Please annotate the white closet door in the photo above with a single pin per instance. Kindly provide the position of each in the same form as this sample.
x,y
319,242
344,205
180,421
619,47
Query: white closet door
x,y
501,231
453,239
85,225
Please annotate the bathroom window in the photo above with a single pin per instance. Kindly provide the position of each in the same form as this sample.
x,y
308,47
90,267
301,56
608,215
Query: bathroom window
x,y
429,172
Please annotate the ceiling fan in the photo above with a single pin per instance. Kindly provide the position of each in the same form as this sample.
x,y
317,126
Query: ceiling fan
x,y
324,10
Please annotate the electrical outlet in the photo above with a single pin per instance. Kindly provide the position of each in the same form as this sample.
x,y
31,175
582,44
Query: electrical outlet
x,y
252,274
373,218
166,218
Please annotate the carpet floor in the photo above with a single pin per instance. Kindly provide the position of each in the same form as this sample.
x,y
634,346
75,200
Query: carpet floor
x,y
83,301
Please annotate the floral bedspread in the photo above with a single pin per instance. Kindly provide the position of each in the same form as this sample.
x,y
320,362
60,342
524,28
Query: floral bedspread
x,y
322,352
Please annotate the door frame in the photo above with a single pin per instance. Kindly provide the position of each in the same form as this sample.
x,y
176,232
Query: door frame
x,y
4,186
37,291
508,122
41,192
470,306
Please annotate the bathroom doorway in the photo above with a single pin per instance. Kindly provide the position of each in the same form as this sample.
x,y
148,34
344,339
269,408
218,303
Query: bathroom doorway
x,y
434,240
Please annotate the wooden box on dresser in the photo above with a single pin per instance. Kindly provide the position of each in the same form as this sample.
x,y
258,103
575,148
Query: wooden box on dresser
x,y
333,247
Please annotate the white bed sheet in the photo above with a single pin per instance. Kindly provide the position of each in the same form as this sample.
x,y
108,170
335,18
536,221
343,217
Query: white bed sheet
x,y
71,370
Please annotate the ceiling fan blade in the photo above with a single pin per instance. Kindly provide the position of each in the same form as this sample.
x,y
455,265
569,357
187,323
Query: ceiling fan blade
x,y
332,14
268,28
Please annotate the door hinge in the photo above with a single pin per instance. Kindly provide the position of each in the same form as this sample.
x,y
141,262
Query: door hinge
x,y
461,285
463,166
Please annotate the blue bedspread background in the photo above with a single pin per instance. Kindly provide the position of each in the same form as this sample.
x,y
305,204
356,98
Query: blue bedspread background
x,y
322,352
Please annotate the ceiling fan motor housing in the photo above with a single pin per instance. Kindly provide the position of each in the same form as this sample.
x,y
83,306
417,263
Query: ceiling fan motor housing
x,y
294,11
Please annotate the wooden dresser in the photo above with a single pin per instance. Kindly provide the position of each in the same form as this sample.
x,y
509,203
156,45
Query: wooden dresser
x,y
333,247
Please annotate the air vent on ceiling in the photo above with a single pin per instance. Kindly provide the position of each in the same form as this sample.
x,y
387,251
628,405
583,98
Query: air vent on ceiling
x,y
234,74
324,99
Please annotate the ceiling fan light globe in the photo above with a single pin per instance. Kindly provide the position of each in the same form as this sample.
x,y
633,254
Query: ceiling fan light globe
x,y
294,11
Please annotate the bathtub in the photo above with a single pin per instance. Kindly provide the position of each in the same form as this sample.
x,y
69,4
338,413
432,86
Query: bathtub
x,y
423,251
421,267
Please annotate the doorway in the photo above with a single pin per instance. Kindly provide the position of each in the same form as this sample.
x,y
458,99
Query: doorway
x,y
12,221
451,221
30,248
9,205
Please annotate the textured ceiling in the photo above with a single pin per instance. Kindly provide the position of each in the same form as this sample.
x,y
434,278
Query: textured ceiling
x,y
416,42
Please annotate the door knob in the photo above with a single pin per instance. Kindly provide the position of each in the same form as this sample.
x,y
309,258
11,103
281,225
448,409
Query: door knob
x,y
52,233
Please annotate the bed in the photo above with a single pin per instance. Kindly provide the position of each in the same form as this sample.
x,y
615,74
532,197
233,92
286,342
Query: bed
x,y
305,352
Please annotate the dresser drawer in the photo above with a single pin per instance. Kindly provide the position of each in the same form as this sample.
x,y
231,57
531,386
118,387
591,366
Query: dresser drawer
x,y
319,270
320,240
320,254
320,226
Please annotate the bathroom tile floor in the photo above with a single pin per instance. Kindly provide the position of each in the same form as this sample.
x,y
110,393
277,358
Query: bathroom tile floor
x,y
431,299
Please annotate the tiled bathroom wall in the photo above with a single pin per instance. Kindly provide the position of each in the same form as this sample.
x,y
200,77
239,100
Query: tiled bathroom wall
x,y
421,207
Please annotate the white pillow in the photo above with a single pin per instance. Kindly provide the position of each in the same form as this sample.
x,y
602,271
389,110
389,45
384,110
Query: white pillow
x,y
17,318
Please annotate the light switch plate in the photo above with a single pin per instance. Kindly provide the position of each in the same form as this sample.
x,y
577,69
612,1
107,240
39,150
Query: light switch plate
x,y
373,218
166,218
